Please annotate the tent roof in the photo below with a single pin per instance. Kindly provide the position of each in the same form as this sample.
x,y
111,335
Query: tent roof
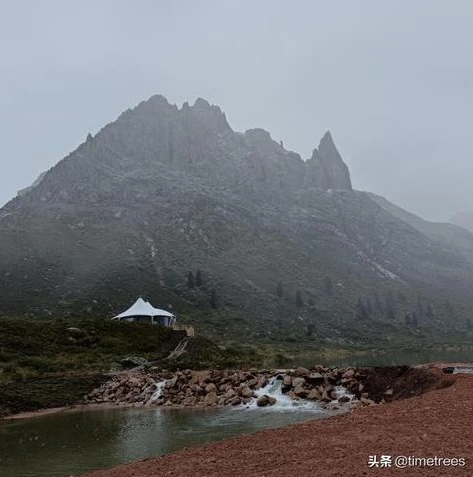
x,y
143,308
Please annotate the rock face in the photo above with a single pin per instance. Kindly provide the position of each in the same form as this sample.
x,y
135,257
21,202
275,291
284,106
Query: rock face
x,y
326,169
172,204
32,186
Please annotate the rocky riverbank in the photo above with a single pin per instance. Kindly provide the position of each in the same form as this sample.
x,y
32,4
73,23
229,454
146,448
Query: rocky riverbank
x,y
328,386
437,423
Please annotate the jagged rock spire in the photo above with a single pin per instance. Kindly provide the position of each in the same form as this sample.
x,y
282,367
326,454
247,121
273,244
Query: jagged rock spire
x,y
326,169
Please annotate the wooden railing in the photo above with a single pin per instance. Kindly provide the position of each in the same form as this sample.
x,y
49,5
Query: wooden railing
x,y
188,329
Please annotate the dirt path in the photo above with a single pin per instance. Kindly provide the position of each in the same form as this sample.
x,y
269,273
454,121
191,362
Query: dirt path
x,y
439,423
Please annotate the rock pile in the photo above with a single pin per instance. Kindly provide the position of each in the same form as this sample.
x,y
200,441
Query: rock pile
x,y
127,388
210,388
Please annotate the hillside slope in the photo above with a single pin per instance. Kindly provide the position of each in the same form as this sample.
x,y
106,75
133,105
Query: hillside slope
x,y
283,248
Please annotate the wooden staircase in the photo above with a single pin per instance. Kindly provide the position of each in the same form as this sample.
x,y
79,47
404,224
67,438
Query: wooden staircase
x,y
179,349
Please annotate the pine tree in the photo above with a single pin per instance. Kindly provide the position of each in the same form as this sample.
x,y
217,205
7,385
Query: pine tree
x,y
377,302
328,286
279,291
199,281
390,306
401,297
361,311
213,299
407,319
414,320
420,307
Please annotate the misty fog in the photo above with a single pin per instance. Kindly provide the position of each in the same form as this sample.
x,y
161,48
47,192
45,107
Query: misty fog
x,y
393,81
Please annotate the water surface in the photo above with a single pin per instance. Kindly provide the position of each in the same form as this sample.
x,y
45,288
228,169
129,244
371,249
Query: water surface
x,y
72,443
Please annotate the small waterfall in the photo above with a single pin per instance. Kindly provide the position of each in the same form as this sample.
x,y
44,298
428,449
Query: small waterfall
x,y
342,391
159,391
283,401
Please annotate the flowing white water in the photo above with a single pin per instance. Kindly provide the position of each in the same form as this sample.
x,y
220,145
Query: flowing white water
x,y
341,391
159,390
283,401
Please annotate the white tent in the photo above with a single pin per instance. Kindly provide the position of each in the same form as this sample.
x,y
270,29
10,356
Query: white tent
x,y
143,311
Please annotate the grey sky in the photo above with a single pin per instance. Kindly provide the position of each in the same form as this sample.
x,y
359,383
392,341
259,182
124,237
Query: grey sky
x,y
392,80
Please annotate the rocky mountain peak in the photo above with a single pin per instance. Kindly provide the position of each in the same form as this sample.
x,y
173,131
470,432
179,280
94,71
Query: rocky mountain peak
x,y
202,103
327,143
261,139
326,169
211,116
165,191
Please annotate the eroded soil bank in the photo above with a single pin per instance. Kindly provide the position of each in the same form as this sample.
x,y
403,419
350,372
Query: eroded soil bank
x,y
436,423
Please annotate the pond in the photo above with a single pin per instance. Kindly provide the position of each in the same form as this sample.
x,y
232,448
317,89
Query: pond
x,y
72,443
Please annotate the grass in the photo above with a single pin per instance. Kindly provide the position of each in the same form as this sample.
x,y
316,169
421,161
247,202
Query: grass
x,y
34,348
31,347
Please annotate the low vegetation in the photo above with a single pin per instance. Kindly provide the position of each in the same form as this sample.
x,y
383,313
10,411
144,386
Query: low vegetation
x,y
31,348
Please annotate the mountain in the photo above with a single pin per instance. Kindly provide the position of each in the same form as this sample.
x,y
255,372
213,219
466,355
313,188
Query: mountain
x,y
242,237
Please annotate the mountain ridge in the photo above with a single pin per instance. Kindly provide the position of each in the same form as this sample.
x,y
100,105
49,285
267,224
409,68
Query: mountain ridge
x,y
285,247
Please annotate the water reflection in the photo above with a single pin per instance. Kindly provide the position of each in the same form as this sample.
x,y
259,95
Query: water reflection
x,y
63,444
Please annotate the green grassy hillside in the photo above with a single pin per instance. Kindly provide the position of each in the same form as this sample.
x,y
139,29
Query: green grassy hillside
x,y
32,348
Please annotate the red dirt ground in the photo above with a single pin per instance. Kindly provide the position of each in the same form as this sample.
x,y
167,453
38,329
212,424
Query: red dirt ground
x,y
438,423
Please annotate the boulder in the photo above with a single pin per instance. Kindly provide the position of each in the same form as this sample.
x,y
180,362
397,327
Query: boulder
x,y
230,393
315,378
265,400
262,382
189,401
325,396
299,391
210,388
349,374
246,392
314,395
301,372
236,401
296,382
210,399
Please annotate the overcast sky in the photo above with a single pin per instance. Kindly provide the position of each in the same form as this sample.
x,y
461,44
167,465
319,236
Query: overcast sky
x,y
392,80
